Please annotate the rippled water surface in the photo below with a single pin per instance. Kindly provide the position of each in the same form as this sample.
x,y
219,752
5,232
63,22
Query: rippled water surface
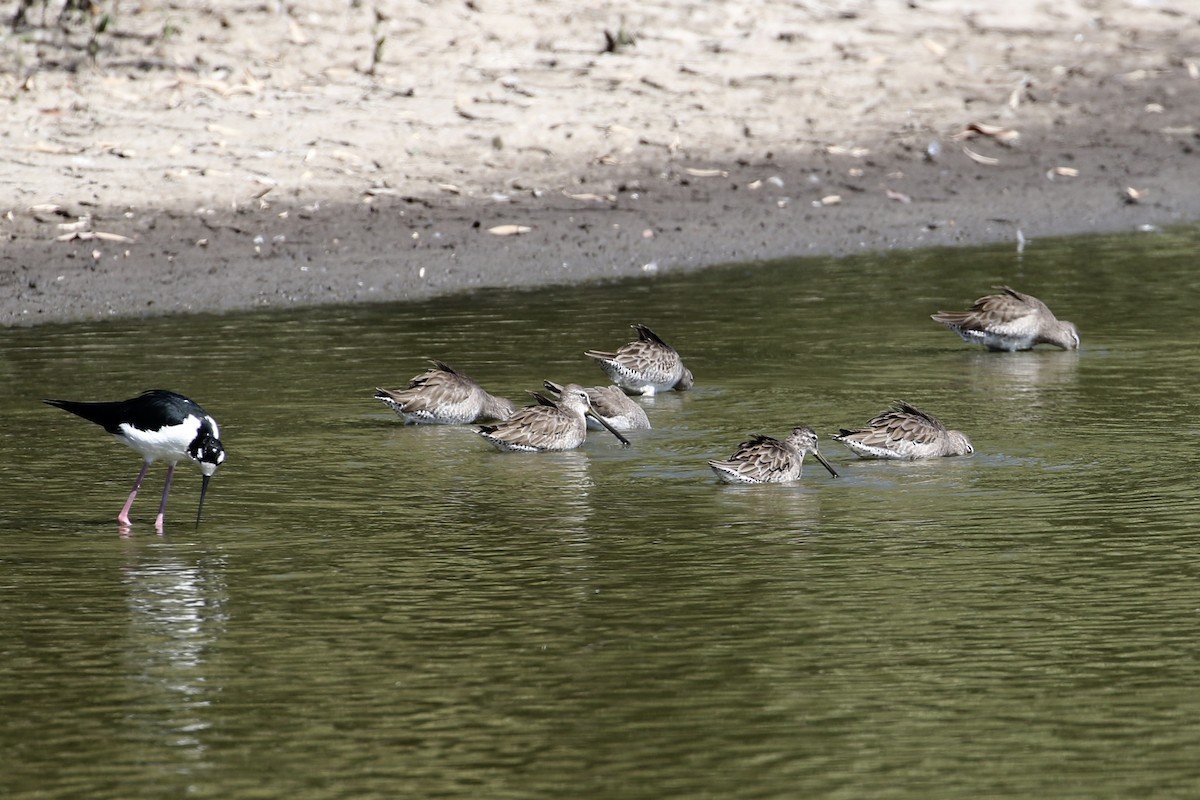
x,y
370,610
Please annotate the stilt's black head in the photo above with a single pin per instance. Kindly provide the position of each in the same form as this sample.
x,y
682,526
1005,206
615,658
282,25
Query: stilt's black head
x,y
206,450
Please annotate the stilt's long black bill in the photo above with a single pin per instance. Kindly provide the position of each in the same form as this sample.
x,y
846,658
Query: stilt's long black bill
x,y
203,491
825,464
624,442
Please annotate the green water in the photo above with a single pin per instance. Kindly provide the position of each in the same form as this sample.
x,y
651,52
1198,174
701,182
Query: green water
x,y
373,611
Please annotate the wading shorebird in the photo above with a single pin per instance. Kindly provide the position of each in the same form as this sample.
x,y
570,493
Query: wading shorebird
x,y
616,407
550,425
1010,321
646,366
160,425
444,396
763,459
905,432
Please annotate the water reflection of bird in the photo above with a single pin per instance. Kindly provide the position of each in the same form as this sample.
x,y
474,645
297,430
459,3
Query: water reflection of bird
x,y
646,366
1020,388
1010,321
762,459
905,432
444,396
550,425
160,425
616,407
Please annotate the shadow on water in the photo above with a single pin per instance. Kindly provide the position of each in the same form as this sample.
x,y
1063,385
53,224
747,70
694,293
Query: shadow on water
x,y
377,610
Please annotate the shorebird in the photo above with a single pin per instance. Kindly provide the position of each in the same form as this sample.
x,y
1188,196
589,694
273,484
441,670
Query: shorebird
x,y
646,366
549,425
444,396
160,425
616,407
762,459
905,432
1010,321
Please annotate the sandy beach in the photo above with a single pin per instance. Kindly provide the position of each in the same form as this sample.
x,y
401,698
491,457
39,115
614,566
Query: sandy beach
x,y
197,157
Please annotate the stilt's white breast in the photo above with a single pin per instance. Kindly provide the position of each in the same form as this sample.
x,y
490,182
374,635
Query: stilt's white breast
x,y
168,443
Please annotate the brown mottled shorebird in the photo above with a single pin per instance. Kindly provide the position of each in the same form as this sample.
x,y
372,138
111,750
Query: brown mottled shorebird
x,y
646,366
905,432
550,425
444,396
1010,321
762,459
616,407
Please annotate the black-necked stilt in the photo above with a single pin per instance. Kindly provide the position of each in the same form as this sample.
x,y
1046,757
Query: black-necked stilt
x,y
160,425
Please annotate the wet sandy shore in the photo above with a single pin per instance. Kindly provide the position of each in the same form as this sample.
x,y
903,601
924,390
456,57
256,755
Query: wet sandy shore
x,y
279,155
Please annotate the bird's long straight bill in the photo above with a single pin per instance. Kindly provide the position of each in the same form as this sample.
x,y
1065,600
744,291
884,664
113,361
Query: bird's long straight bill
x,y
624,442
203,491
826,464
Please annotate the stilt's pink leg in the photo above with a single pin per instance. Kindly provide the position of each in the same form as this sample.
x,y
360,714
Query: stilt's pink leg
x,y
123,517
162,507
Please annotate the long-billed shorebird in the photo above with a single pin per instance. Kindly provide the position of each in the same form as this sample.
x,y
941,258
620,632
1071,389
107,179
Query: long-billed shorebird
x,y
550,425
763,459
161,425
618,409
905,432
646,366
1010,321
444,396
